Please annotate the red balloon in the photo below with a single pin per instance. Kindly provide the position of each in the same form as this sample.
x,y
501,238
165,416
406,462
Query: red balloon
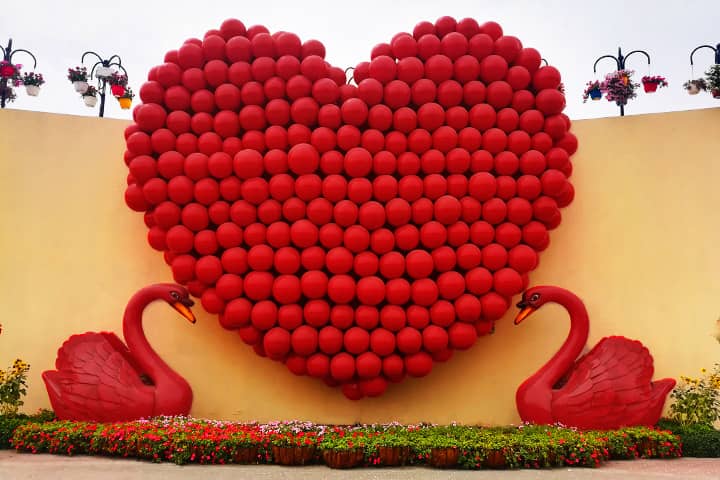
x,y
356,340
439,68
418,364
330,340
508,47
383,68
493,68
368,365
410,69
499,94
454,45
550,101
462,336
342,367
304,340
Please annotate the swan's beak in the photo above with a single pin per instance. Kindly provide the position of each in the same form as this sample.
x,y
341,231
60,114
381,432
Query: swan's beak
x,y
184,309
525,311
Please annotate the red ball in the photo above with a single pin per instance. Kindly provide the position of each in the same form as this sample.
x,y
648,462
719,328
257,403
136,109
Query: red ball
x,y
493,68
258,285
382,342
419,264
462,336
358,162
370,290
208,269
341,289
303,158
342,367
494,306
330,340
409,340
356,340
304,340
453,45
529,58
424,292
442,313
368,365
318,365
550,101
276,343
418,364
508,47
499,94
383,68
439,68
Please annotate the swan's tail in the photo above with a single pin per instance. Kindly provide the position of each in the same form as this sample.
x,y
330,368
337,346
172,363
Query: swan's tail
x,y
660,390
52,383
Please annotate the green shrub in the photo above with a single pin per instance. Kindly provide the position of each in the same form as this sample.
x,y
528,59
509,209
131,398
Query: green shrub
x,y
697,440
8,424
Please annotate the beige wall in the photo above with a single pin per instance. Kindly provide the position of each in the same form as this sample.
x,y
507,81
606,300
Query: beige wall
x,y
641,245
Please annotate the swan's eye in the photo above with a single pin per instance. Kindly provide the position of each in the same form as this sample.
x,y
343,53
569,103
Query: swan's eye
x,y
535,297
175,296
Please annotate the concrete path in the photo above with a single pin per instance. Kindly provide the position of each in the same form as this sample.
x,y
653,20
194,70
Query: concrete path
x,y
15,466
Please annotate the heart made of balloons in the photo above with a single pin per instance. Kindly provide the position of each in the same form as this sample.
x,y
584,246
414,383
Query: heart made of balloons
x,y
357,233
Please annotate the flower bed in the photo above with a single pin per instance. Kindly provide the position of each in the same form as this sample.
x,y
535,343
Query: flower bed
x,y
186,440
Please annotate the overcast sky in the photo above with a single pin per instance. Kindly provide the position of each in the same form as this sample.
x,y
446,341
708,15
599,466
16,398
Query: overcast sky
x,y
569,34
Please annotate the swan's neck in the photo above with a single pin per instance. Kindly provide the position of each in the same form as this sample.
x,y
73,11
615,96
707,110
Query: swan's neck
x,y
563,360
537,390
150,362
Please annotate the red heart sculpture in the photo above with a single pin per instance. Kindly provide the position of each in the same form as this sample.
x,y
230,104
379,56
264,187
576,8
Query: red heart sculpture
x,y
356,233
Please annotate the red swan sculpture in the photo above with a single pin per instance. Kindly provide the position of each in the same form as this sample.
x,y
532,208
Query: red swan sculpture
x,y
99,379
607,388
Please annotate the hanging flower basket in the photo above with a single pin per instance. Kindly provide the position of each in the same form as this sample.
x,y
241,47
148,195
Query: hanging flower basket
x,y
593,90
90,96
103,72
651,83
125,100
32,82
694,87
619,87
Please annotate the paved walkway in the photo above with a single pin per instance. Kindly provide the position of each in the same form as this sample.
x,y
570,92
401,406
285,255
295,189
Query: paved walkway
x,y
15,466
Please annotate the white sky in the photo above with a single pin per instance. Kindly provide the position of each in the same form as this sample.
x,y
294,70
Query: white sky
x,y
569,34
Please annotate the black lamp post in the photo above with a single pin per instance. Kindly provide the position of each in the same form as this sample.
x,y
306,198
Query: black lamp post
x,y
620,63
102,80
8,54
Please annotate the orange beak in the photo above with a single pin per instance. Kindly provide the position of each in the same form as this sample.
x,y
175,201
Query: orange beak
x,y
525,312
184,311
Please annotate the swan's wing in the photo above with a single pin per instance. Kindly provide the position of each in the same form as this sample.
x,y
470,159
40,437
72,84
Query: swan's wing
x,y
610,385
97,379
